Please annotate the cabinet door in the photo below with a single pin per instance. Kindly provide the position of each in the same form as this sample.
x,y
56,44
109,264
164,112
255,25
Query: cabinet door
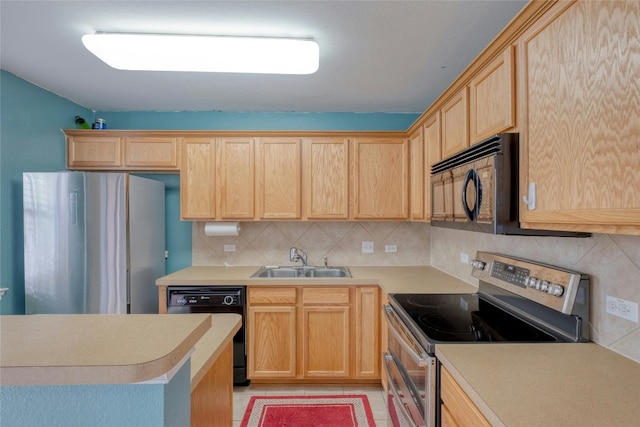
x,y
326,178
381,178
492,98
367,332
417,174
157,153
460,409
432,154
325,341
278,175
212,398
455,124
271,341
325,332
235,177
197,179
581,118
94,152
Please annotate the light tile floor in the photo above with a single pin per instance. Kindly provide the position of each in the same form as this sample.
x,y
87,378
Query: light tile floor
x,y
375,395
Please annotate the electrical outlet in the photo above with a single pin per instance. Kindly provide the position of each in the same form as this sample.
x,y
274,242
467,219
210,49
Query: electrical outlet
x,y
367,247
622,308
391,248
229,248
464,258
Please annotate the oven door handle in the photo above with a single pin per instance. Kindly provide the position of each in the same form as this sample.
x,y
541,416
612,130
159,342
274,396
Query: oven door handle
x,y
394,323
405,412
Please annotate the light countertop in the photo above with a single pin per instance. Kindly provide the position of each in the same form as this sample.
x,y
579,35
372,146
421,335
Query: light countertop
x,y
223,327
413,279
547,384
512,384
105,349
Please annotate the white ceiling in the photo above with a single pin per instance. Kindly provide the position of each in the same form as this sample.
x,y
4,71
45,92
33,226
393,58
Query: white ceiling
x,y
375,56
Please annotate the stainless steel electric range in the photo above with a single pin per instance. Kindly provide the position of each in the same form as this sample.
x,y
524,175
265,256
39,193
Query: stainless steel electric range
x,y
518,301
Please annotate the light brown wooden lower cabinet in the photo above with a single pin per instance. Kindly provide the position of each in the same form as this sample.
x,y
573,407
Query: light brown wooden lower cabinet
x,y
212,399
313,333
271,332
326,332
457,409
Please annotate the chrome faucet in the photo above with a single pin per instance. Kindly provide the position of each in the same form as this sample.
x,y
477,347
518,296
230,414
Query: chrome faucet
x,y
296,255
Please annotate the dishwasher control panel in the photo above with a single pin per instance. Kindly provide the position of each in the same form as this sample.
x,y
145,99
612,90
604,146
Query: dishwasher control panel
x,y
205,296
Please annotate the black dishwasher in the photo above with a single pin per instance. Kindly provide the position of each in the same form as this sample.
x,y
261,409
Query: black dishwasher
x,y
215,299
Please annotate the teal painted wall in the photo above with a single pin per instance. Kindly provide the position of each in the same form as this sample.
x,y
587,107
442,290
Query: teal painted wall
x,y
31,119
257,121
30,140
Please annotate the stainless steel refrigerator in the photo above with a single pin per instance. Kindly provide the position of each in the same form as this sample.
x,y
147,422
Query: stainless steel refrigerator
x,y
93,242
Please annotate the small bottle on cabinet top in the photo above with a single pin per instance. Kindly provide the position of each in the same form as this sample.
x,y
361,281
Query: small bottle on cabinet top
x,y
99,124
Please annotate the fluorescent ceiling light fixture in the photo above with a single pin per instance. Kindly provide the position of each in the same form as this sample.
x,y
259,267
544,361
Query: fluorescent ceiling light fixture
x,y
164,52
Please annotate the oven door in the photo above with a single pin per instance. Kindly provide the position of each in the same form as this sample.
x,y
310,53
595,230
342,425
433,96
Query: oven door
x,y
411,377
402,397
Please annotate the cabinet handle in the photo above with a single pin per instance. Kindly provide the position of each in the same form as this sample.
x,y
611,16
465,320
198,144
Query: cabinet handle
x,y
530,199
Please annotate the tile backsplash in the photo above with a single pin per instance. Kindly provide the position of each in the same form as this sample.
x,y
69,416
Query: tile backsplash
x,y
612,261
268,243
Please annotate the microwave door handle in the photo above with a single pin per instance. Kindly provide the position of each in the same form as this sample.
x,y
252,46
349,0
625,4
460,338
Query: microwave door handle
x,y
471,177
478,195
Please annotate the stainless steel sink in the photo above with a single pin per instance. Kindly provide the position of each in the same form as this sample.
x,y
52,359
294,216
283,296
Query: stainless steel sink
x,y
278,272
329,272
302,272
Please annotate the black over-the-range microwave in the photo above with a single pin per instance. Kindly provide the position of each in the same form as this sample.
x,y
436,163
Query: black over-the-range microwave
x,y
477,190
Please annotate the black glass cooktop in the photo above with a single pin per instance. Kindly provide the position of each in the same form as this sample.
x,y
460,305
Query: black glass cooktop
x,y
466,318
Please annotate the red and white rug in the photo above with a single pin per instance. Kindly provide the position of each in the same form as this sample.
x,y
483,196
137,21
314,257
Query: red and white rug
x,y
309,411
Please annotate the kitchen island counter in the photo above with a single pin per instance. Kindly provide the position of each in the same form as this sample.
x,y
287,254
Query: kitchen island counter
x,y
410,279
105,370
546,384
94,348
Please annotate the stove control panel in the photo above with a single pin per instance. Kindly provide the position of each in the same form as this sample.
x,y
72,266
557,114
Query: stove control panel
x,y
510,273
551,286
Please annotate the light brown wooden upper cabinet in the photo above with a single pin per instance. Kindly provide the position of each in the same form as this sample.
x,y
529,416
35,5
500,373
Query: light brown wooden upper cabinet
x,y
581,118
325,178
492,103
432,154
235,177
278,178
455,123
115,150
417,174
91,152
151,152
197,179
380,178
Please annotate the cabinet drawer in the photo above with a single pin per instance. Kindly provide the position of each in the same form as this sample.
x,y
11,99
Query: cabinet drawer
x,y
268,295
325,295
